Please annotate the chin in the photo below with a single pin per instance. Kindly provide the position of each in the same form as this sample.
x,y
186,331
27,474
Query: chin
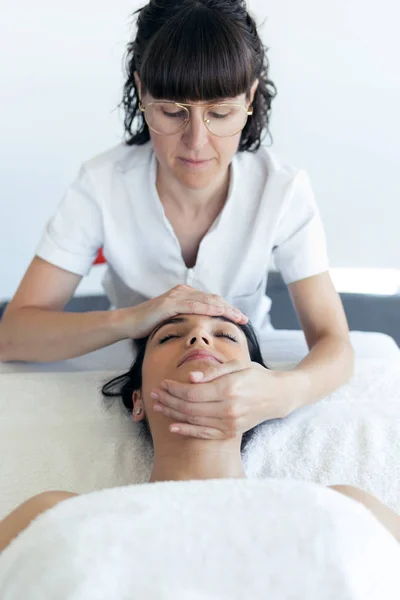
x,y
196,181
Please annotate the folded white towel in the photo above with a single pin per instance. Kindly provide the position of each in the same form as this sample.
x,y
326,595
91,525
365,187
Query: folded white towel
x,y
352,436
220,540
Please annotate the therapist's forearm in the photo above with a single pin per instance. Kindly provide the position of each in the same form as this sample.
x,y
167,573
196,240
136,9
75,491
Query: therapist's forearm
x,y
35,334
328,365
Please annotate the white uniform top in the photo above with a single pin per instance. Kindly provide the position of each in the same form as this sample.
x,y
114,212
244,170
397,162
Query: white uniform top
x,y
114,204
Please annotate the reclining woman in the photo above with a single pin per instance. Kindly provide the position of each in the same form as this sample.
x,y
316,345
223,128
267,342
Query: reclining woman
x,y
176,350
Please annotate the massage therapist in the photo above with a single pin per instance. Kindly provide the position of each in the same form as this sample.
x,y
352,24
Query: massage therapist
x,y
189,211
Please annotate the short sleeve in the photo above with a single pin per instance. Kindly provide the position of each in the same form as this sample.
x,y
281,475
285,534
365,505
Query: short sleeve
x,y
299,248
74,234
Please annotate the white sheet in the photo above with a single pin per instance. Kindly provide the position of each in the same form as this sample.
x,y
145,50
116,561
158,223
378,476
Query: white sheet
x,y
214,540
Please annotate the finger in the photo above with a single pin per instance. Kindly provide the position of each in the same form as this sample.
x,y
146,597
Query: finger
x,y
200,307
196,409
175,415
213,372
206,392
186,299
229,309
214,299
204,433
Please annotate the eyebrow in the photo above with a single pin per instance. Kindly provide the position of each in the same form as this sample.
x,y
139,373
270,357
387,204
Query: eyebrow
x,y
184,320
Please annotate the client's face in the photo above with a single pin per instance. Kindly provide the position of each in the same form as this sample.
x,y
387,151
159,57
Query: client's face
x,y
183,344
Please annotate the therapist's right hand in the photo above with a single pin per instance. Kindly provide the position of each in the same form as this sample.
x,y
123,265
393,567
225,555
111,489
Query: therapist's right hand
x,y
181,299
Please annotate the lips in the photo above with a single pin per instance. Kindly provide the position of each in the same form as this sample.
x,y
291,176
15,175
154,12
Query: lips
x,y
198,354
195,160
195,163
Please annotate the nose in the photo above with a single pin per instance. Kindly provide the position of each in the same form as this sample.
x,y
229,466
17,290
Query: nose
x,y
198,338
196,133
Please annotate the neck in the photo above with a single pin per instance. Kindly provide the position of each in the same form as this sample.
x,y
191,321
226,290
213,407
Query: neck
x,y
190,200
197,459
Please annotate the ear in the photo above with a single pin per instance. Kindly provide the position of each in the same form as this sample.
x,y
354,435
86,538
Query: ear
x,y
138,84
253,90
138,413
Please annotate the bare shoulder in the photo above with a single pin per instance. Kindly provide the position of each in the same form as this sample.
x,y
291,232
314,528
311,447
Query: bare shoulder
x,y
52,497
21,517
351,492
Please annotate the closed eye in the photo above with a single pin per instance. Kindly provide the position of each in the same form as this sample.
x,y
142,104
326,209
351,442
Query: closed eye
x,y
167,337
219,116
227,335
170,336
175,115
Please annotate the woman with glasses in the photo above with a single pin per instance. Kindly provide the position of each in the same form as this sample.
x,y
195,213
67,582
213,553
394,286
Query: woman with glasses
x,y
189,210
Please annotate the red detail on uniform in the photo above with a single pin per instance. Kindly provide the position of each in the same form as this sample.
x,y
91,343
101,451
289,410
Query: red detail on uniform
x,y
100,257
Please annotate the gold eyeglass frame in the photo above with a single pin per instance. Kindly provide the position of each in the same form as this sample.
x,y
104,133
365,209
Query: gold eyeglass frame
x,y
185,106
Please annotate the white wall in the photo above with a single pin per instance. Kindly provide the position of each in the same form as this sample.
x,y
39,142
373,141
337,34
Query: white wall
x,y
337,114
336,65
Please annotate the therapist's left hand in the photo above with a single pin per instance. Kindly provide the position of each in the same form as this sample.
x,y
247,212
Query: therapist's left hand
x,y
225,400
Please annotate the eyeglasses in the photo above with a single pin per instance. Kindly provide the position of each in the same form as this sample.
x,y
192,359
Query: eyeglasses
x,y
222,120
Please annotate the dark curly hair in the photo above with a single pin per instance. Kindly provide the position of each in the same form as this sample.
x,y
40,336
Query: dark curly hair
x,y
197,50
124,385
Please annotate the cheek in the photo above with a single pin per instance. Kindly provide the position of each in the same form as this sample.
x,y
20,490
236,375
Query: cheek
x,y
226,148
163,145
153,371
160,363
233,351
243,354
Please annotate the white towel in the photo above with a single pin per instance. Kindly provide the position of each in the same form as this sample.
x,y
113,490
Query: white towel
x,y
352,436
215,540
55,433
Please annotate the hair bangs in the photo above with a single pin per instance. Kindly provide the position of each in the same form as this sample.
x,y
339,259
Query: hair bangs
x,y
202,57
